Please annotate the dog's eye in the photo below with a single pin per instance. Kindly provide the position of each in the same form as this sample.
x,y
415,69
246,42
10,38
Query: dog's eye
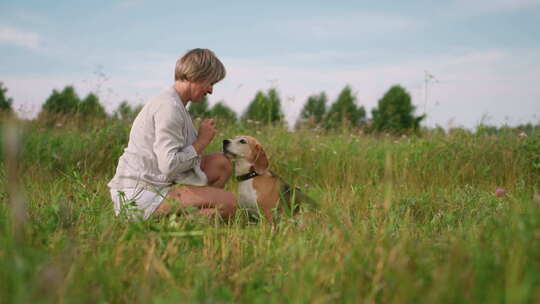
x,y
243,141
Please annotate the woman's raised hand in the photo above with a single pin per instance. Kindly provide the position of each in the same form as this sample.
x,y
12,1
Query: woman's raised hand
x,y
207,131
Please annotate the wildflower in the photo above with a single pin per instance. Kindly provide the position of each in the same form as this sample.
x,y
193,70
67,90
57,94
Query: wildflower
x,y
500,192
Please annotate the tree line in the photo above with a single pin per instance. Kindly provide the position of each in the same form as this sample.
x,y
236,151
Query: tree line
x,y
67,103
393,114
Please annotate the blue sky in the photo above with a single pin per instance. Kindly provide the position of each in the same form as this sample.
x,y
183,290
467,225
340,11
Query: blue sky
x,y
485,55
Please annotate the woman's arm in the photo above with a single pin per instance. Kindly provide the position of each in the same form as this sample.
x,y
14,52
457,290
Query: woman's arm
x,y
171,149
207,131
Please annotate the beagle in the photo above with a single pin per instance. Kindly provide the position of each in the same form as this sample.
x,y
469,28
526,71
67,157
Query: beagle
x,y
260,189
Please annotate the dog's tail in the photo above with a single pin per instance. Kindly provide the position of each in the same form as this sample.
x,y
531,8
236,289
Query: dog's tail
x,y
293,198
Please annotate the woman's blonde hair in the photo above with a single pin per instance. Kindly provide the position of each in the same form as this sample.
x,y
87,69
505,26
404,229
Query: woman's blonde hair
x,y
199,65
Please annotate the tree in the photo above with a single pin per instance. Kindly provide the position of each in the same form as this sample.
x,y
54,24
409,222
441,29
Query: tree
x,y
483,129
527,128
65,102
345,111
125,112
90,107
5,102
223,112
265,108
394,112
315,108
199,109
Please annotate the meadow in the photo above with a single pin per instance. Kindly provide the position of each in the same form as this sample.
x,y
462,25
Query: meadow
x,y
401,220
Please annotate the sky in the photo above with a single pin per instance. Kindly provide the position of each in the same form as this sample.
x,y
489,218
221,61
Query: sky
x,y
484,55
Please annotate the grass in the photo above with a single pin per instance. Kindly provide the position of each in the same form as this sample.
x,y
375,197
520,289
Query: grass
x,y
402,220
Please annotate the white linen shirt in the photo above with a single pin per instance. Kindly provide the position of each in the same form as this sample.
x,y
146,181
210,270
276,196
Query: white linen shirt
x,y
160,151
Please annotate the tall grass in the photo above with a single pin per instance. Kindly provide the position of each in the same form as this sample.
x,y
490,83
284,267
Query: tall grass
x,y
401,220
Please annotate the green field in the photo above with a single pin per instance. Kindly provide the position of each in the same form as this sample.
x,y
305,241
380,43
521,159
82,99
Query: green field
x,y
401,220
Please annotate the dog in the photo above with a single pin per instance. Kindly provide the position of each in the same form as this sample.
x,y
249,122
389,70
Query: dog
x,y
260,191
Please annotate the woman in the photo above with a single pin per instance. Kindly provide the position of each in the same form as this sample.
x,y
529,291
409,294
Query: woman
x,y
165,150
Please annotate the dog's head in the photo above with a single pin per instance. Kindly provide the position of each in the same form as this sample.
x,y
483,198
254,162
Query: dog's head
x,y
248,149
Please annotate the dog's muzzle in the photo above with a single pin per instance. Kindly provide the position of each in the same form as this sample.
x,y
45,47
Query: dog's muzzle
x,y
226,143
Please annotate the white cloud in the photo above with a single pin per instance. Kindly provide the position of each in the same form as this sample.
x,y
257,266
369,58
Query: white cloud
x,y
14,36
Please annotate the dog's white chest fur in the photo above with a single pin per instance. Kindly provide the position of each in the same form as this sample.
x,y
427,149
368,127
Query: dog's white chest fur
x,y
247,196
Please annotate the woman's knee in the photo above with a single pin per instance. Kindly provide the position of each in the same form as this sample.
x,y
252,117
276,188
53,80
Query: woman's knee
x,y
218,168
224,165
216,161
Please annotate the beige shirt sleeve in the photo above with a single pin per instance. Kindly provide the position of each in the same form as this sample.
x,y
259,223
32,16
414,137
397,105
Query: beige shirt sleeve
x,y
174,154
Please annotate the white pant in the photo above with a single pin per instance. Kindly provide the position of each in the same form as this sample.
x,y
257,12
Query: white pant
x,y
137,202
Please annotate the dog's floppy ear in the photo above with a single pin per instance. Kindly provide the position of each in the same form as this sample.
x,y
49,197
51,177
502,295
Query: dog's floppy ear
x,y
260,162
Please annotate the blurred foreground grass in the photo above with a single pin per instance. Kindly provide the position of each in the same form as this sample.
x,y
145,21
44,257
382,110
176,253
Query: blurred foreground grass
x,y
402,220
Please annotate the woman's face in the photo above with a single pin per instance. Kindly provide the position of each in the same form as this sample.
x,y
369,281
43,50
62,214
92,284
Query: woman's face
x,y
200,89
